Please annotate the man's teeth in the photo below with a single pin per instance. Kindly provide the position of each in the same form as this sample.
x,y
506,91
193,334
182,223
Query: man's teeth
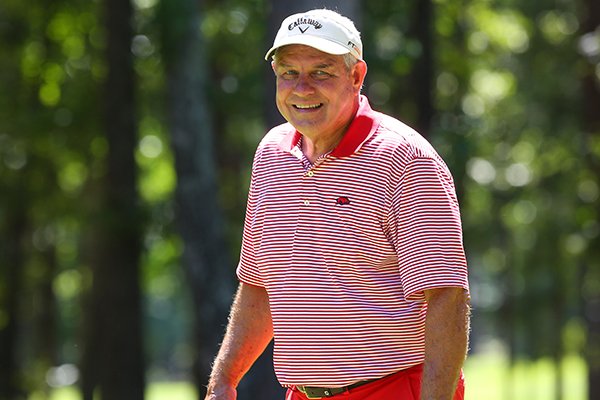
x,y
306,107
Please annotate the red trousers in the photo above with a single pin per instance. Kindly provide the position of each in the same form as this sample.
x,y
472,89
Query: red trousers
x,y
403,385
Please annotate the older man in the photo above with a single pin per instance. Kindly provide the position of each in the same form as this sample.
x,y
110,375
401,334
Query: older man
x,y
352,255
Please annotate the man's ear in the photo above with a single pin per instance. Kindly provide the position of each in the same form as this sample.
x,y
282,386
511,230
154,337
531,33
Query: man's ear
x,y
359,71
273,66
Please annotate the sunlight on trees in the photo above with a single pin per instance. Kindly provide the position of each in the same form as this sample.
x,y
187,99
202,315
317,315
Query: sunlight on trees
x,y
507,92
505,29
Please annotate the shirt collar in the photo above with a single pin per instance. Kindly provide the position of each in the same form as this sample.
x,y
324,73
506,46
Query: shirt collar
x,y
363,126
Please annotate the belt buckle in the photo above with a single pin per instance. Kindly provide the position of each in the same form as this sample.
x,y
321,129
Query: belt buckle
x,y
309,393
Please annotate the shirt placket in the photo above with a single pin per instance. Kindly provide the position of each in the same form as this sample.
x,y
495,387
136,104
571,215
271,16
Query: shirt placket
x,y
309,186
309,217
309,189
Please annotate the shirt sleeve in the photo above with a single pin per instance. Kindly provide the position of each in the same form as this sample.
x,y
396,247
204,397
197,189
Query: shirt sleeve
x,y
247,270
426,229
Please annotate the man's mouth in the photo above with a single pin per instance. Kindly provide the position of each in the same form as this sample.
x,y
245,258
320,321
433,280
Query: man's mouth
x,y
307,106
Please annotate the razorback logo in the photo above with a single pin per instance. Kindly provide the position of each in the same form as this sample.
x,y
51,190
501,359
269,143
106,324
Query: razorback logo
x,y
342,201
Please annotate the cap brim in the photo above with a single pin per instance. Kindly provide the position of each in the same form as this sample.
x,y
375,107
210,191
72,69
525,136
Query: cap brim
x,y
324,45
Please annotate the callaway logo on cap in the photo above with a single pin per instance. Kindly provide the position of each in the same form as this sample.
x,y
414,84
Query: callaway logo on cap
x,y
324,30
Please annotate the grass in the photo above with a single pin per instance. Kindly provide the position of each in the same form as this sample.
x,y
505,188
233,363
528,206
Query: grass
x,y
487,377
155,391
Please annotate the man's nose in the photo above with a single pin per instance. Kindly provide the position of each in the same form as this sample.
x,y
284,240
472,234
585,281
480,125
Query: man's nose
x,y
304,85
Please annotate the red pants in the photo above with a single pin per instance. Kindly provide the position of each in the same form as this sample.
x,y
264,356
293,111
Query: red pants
x,y
403,385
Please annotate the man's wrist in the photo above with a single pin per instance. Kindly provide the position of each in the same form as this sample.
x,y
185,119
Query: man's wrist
x,y
219,391
221,381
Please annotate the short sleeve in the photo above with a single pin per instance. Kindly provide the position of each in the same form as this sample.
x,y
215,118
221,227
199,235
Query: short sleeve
x,y
426,229
247,269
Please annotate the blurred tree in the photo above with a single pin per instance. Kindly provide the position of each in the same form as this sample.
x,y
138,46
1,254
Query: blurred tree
x,y
199,218
116,345
589,46
424,67
27,174
14,221
12,261
510,97
521,226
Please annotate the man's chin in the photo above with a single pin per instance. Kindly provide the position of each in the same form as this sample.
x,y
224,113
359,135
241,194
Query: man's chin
x,y
305,127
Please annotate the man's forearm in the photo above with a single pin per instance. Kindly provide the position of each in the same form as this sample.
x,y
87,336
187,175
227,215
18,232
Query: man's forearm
x,y
249,331
446,342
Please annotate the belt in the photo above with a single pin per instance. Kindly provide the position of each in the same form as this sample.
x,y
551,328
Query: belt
x,y
313,392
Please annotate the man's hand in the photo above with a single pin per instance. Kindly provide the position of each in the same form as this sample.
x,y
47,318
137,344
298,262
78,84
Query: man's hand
x,y
249,331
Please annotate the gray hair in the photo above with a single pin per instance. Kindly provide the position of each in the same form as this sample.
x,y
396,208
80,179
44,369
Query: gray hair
x,y
350,60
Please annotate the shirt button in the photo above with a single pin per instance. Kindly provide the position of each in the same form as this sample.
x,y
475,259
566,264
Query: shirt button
x,y
306,202
310,174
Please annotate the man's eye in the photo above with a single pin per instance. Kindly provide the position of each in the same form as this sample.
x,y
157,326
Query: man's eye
x,y
289,74
321,74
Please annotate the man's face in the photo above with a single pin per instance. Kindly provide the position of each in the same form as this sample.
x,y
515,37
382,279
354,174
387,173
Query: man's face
x,y
316,92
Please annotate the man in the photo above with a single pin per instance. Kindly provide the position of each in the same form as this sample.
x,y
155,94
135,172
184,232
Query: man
x,y
352,256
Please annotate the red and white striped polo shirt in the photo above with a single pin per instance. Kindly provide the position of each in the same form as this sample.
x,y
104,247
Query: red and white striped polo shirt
x,y
346,248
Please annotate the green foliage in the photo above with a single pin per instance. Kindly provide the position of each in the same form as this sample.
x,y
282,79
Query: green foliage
x,y
507,97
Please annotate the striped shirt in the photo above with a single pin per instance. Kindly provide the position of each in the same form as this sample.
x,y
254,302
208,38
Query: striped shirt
x,y
346,246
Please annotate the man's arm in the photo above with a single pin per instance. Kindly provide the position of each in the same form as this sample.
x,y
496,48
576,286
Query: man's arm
x,y
249,331
446,341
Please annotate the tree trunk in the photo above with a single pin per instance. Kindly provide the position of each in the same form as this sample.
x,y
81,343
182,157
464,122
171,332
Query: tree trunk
x,y
116,313
591,294
46,334
92,254
11,272
424,66
206,260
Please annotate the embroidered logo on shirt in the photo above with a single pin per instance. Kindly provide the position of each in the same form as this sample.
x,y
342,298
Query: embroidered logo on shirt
x,y
342,201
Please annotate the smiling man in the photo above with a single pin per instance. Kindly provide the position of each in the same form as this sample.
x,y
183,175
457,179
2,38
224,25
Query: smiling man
x,y
352,257
317,93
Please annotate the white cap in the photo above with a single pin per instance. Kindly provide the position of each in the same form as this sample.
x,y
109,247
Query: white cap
x,y
324,30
